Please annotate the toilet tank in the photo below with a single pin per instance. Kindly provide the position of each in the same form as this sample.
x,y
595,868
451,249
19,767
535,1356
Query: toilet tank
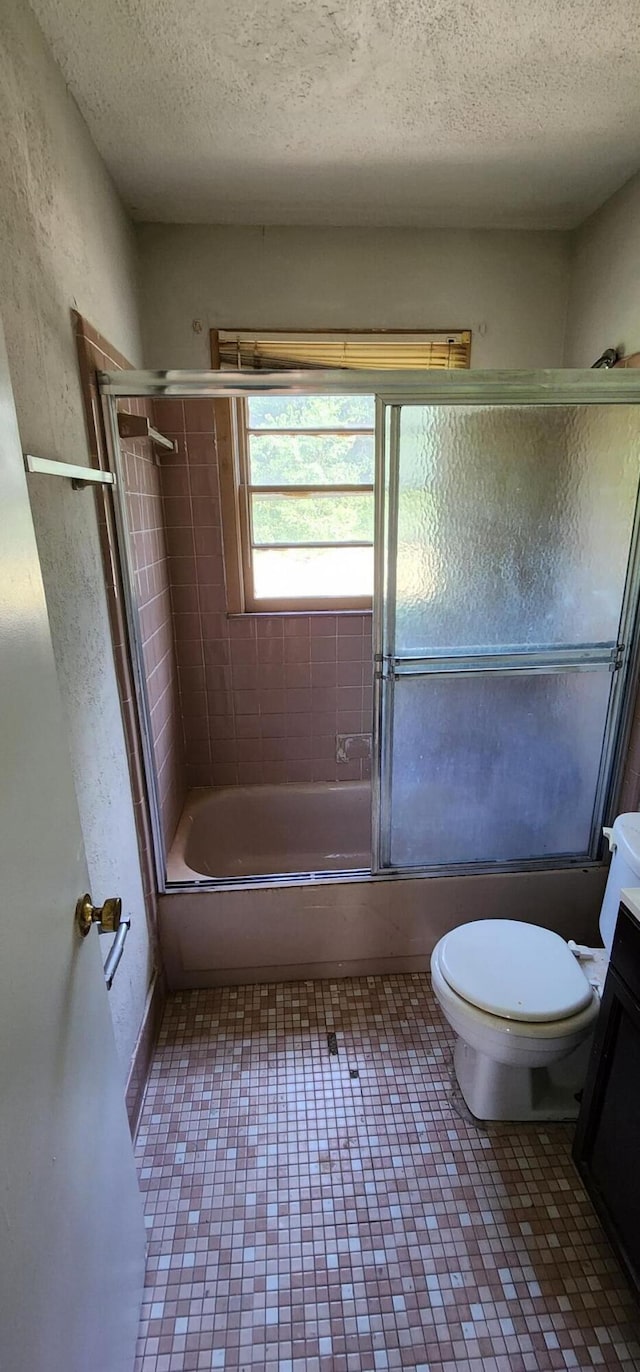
x,y
624,842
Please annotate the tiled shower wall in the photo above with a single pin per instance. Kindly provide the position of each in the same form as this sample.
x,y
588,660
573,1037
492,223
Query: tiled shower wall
x,y
146,523
263,696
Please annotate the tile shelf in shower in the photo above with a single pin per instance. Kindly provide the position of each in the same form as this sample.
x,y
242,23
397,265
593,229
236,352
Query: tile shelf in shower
x,y
137,426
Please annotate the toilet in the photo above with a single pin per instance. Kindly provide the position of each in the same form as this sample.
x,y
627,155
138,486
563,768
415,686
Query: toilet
x,y
523,1002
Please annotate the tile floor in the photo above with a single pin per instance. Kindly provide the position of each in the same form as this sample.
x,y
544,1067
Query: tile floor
x,y
336,1212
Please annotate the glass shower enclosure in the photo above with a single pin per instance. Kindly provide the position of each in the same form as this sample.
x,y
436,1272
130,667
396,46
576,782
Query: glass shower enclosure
x,y
505,605
507,597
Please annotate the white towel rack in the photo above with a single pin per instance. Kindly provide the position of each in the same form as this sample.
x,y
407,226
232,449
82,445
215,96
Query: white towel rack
x,y
78,476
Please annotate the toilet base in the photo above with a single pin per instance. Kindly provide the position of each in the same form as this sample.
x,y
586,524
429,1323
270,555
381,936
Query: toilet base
x,y
494,1091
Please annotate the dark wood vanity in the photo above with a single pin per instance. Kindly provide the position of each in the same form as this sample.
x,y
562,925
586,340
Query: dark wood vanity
x,y
606,1147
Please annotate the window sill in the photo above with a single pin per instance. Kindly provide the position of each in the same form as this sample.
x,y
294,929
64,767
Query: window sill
x,y
296,614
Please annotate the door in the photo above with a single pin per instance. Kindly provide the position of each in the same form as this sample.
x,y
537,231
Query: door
x,y
71,1226
504,627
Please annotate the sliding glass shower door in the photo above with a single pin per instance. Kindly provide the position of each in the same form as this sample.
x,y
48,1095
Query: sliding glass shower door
x,y
506,594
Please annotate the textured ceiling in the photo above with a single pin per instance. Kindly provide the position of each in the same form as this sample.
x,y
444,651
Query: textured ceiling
x,y
522,113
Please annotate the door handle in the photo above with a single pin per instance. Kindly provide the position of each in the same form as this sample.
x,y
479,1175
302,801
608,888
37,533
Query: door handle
x,y
115,952
108,917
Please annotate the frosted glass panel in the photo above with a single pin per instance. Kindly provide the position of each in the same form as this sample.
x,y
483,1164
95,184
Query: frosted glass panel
x,y
491,769
514,524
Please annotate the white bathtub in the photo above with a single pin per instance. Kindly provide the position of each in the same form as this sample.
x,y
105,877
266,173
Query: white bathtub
x,y
242,831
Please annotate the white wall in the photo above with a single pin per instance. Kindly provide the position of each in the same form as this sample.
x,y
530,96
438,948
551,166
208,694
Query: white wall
x,y
604,312
604,292
66,242
508,287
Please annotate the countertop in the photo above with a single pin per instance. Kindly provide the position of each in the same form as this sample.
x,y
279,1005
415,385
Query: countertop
x,y
630,896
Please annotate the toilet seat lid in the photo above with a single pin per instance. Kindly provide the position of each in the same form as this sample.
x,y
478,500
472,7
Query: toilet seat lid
x,y
514,970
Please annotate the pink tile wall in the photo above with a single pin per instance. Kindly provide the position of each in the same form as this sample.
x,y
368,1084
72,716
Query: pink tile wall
x,y
263,696
146,522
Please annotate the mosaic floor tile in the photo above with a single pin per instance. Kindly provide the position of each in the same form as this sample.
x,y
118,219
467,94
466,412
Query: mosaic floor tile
x,y
313,1210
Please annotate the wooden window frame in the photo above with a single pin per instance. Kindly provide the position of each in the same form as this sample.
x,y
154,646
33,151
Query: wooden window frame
x,y
236,490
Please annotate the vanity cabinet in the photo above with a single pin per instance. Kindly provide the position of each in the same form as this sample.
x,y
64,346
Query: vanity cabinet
x,y
606,1148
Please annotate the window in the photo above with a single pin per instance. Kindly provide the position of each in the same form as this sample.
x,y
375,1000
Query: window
x,y
297,471
307,467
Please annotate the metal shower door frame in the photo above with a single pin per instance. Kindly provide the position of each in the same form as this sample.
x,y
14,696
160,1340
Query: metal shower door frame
x,y
391,390
621,658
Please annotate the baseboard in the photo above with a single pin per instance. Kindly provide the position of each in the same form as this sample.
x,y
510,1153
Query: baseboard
x,y
143,1051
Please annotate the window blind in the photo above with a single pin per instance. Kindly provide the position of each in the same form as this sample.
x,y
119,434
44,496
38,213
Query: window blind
x,y
250,350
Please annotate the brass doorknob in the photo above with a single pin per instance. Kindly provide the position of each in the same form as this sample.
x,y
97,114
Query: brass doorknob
x,y
107,916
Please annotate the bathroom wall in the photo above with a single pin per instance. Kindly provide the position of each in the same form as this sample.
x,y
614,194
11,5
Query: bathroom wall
x,y
604,280
140,482
263,696
604,312
66,241
510,288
